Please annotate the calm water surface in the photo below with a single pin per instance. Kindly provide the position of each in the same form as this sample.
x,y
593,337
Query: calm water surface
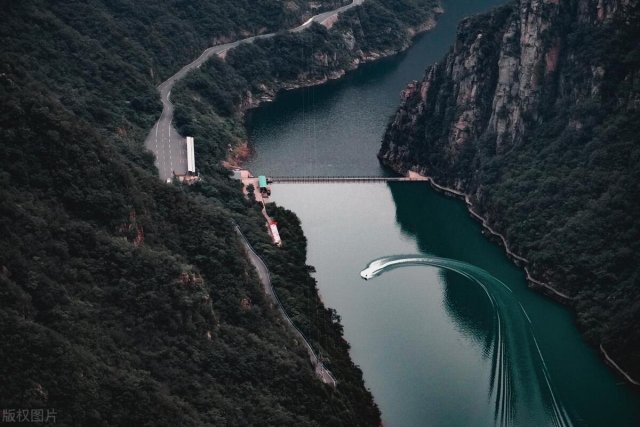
x,y
435,348
336,129
420,334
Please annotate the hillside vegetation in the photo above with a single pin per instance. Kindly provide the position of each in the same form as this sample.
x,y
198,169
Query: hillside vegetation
x,y
210,102
534,113
126,301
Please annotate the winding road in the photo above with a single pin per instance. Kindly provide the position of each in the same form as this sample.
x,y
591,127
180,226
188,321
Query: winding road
x,y
163,140
265,278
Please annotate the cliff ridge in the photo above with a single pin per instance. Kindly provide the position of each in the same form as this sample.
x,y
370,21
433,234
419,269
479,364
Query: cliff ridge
x,y
531,114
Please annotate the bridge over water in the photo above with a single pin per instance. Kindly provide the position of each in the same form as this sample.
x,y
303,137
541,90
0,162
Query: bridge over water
x,y
341,179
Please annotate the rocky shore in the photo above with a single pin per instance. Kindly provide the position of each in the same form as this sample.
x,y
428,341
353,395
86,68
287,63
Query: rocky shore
x,y
513,118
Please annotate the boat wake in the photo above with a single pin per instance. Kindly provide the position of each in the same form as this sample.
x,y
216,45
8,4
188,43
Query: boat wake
x,y
520,389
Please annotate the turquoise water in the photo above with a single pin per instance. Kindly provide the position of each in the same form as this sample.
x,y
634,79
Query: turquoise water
x,y
440,343
335,129
425,337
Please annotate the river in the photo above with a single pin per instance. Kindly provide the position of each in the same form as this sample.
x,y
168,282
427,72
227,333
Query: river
x,y
442,343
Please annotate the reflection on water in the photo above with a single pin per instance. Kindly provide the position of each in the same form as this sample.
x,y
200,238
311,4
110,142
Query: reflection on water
x,y
518,367
425,337
463,304
442,226
336,129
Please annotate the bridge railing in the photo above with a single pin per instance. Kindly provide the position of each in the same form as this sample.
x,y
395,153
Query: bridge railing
x,y
346,178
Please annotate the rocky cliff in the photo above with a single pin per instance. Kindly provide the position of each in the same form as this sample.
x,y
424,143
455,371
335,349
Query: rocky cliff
x,y
532,115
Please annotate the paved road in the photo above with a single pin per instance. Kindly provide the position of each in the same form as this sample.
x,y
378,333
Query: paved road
x,y
164,141
265,278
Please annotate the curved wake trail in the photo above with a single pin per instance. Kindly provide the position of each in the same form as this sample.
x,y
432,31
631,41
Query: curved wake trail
x,y
520,390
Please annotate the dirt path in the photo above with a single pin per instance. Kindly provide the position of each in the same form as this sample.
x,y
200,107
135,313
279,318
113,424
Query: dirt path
x,y
265,278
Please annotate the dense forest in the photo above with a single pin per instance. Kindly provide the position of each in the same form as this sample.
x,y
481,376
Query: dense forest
x,y
210,101
534,114
127,301
103,59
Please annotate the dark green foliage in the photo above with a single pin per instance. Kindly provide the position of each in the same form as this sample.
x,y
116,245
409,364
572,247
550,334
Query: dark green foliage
x,y
126,301
380,25
206,108
103,59
211,100
298,294
565,194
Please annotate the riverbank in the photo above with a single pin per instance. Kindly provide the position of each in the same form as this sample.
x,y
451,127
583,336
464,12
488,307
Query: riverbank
x,y
517,259
268,93
211,101
321,371
241,150
616,367
293,293
514,151
545,288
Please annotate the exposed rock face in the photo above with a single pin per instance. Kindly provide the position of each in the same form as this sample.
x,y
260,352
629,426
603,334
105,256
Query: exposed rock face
x,y
519,116
492,82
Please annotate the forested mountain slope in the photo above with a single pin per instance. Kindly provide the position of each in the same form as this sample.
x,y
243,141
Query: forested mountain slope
x,y
534,114
127,301
211,101
103,59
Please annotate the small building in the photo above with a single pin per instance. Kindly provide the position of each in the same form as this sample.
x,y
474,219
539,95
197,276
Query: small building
x,y
190,176
262,185
262,182
275,235
236,174
191,156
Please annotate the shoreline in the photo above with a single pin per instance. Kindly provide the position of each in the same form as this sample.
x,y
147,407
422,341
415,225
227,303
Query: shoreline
x,y
242,151
250,102
323,373
520,261
617,368
538,285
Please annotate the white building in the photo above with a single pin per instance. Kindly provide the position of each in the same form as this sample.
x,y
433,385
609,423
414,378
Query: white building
x,y
191,156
